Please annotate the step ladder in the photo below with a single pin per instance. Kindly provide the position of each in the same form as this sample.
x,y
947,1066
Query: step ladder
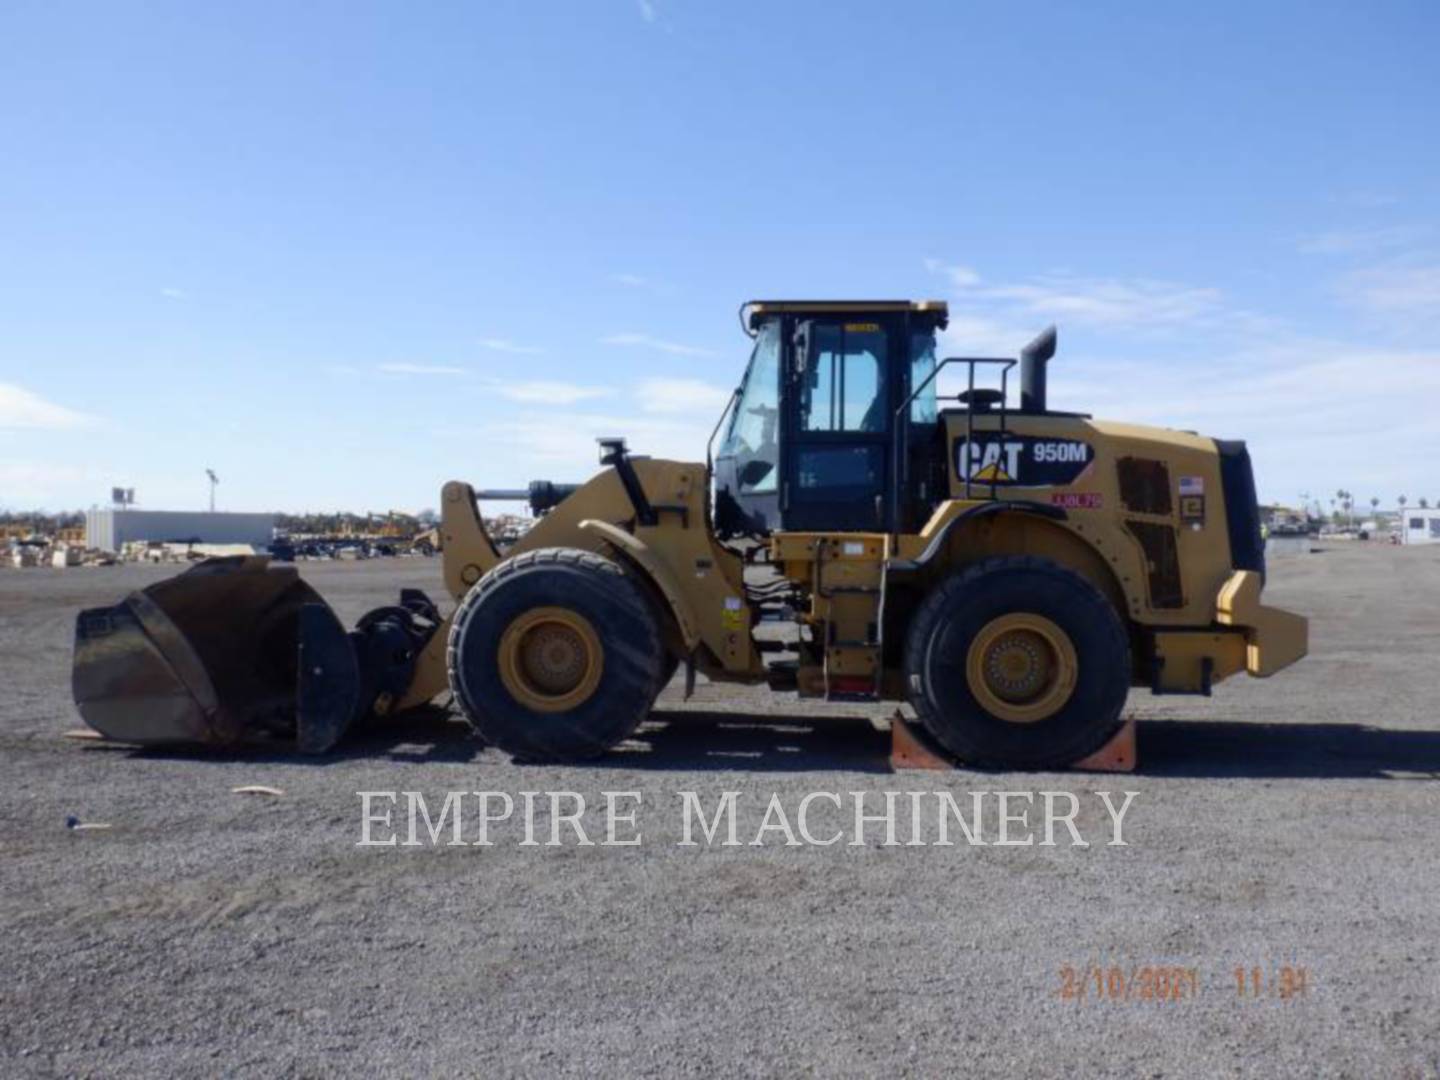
x,y
849,596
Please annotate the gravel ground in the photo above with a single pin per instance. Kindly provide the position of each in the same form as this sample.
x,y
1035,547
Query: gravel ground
x,y
1288,823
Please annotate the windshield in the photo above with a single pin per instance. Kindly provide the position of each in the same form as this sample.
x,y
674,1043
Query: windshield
x,y
754,428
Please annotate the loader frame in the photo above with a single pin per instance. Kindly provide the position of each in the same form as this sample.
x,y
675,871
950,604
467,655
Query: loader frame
x,y
903,546
852,591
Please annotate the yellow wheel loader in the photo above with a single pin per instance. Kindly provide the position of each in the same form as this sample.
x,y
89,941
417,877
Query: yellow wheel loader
x,y
1009,570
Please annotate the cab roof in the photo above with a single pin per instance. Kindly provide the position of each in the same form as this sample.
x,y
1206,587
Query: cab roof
x,y
754,310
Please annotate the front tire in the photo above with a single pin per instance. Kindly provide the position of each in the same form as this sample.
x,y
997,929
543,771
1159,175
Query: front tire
x,y
554,655
1017,662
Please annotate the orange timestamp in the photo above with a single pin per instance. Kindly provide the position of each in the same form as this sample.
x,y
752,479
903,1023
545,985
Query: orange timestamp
x,y
1284,982
1174,983
1151,982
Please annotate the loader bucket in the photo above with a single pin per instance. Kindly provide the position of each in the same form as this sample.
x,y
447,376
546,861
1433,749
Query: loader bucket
x,y
209,656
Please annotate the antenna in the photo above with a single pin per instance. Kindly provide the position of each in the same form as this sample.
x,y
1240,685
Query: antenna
x,y
213,481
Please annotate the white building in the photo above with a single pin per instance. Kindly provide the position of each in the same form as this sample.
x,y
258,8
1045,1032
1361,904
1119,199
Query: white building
x,y
1420,526
110,530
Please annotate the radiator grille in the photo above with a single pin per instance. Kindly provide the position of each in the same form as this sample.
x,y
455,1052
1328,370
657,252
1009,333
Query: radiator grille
x,y
1144,485
1162,562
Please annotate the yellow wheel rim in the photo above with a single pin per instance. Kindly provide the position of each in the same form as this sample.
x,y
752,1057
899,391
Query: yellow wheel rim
x,y
1021,668
551,659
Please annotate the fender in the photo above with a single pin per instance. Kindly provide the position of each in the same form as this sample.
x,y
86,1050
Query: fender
x,y
639,555
938,541
1076,551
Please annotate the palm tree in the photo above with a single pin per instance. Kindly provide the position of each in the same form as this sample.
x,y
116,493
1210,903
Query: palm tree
x,y
1424,505
1347,503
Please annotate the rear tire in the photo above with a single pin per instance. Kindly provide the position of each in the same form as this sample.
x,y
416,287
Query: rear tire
x,y
1017,662
554,655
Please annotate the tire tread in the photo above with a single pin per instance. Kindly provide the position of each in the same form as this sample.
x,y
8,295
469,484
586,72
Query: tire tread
x,y
624,594
923,625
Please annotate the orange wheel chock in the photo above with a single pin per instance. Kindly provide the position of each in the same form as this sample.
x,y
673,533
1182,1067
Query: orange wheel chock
x,y
912,749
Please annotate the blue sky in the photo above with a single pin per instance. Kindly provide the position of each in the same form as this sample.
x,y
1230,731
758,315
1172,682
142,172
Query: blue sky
x,y
343,252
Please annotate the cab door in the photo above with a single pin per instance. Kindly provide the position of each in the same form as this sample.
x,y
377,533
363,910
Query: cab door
x,y
839,410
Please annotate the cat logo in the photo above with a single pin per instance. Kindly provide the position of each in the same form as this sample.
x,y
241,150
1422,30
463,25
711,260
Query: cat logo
x,y
993,462
1022,460
993,472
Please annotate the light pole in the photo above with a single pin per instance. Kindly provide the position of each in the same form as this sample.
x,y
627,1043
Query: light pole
x,y
213,481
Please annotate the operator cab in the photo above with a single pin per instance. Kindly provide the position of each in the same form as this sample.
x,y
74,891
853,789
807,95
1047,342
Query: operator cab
x,y
812,442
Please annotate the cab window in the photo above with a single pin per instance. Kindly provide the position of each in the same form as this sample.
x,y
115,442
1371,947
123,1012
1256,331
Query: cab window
x,y
924,409
844,384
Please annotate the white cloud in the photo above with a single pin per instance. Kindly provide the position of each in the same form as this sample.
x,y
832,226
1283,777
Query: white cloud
x,y
505,345
1317,414
681,396
544,391
563,443
20,408
647,10
975,335
1359,241
1395,288
1108,302
660,345
1367,199
172,293
641,283
32,485
961,277
663,418
1115,303
419,369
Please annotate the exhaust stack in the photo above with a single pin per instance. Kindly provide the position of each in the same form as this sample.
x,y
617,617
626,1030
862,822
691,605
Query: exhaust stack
x,y
1033,358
